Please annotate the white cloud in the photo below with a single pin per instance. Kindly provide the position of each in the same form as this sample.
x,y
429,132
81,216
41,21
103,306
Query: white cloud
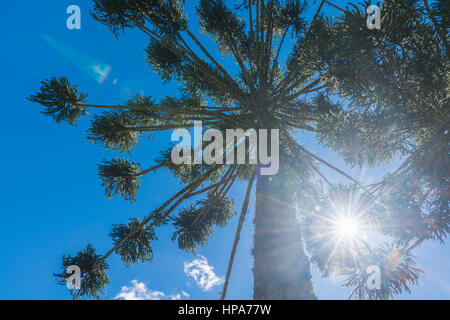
x,y
184,293
178,296
175,296
139,291
197,269
202,273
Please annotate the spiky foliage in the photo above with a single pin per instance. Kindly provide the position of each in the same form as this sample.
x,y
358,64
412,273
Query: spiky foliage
x,y
114,130
93,276
61,100
186,172
138,246
120,176
194,225
397,271
395,79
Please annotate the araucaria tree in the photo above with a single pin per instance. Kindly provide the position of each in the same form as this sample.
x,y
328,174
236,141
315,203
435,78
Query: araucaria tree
x,y
273,85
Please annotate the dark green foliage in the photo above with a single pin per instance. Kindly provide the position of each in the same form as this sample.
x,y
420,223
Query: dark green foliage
x,y
162,60
141,101
119,14
191,103
159,218
441,12
194,82
298,168
186,173
114,130
194,224
396,75
144,111
61,100
120,176
223,25
290,16
122,14
138,246
93,276
306,58
323,104
147,115
363,139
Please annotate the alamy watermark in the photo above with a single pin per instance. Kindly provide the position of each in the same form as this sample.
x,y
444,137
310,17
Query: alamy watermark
x,y
74,20
74,279
373,20
374,280
257,151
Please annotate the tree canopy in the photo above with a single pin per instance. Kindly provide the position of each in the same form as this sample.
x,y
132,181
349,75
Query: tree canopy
x,y
393,84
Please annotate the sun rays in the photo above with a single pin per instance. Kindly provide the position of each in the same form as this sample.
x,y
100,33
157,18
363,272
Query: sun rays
x,y
338,223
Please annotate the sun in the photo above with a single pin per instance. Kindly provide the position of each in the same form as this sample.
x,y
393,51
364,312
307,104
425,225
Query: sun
x,y
347,227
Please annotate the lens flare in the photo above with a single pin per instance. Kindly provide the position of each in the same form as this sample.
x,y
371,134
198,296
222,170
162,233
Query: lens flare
x,y
94,68
101,72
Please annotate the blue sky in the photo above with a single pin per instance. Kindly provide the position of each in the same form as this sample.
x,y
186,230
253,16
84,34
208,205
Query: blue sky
x,y
52,202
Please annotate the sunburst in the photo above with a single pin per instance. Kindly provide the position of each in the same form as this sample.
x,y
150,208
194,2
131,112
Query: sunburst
x,y
347,227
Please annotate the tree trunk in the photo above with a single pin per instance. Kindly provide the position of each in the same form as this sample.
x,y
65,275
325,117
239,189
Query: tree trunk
x,y
281,268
